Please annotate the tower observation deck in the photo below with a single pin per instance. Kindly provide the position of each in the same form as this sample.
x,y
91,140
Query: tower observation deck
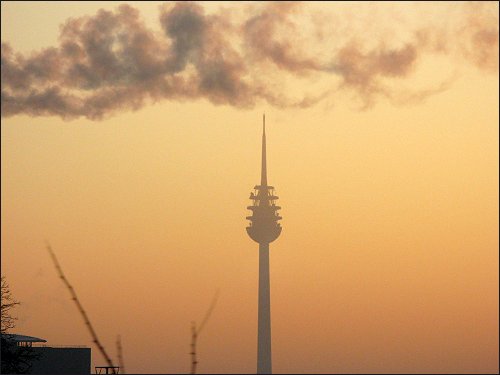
x,y
264,229
264,226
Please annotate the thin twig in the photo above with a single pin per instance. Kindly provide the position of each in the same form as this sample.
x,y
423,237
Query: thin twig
x,y
80,307
196,332
120,357
193,348
209,311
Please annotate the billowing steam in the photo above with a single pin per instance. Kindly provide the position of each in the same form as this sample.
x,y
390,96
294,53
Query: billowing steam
x,y
112,61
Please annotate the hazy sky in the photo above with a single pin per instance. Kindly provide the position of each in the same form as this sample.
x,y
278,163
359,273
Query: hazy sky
x,y
131,141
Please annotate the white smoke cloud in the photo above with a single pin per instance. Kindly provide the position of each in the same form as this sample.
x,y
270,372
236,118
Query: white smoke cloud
x,y
113,62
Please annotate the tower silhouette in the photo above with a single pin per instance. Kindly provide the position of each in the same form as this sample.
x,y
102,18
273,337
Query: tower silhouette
x,y
264,228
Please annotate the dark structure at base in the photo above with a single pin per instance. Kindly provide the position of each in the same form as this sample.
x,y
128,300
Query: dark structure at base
x,y
27,354
61,361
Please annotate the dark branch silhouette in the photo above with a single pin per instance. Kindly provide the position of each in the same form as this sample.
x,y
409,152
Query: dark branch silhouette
x,y
74,297
196,332
120,355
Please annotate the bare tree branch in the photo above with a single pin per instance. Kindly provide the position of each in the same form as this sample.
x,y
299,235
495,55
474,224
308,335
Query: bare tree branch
x,y
80,307
209,311
120,356
196,332
194,335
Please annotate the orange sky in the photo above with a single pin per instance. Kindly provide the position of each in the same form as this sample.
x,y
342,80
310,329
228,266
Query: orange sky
x,y
388,259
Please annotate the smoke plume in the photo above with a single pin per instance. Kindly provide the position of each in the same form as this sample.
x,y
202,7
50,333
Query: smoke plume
x,y
113,62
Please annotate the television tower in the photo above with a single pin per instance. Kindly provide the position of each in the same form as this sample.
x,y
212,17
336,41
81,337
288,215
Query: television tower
x,y
264,228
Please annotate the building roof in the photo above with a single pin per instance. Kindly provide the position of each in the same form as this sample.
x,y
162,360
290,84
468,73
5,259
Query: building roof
x,y
22,338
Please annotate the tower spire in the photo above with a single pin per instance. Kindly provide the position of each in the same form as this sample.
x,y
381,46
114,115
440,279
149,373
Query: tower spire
x,y
263,176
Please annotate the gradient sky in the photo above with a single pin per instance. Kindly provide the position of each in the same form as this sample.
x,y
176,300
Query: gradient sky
x,y
388,259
